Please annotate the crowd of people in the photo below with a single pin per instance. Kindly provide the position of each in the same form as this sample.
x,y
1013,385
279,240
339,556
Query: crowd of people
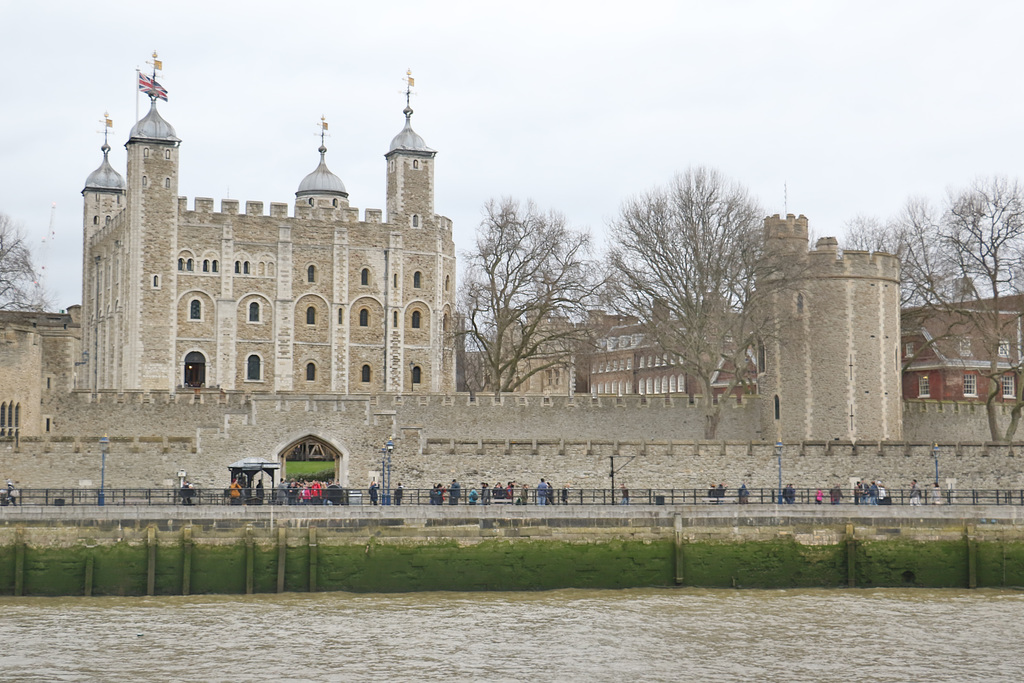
x,y
500,493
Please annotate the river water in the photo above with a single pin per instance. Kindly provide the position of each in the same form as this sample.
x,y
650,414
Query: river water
x,y
567,635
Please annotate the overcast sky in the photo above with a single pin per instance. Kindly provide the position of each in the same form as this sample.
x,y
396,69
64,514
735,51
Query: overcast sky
x,y
852,106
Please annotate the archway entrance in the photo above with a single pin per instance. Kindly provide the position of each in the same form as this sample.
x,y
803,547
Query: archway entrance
x,y
312,458
195,369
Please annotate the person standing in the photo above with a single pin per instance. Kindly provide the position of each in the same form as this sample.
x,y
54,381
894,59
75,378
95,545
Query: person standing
x,y
565,495
835,494
744,494
915,493
454,493
485,494
819,497
399,490
542,493
624,493
373,492
550,491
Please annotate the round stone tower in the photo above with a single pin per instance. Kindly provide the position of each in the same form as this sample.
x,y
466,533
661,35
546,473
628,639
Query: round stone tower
x,y
830,367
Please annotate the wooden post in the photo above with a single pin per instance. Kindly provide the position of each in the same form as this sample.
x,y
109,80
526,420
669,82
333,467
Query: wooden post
x,y
186,560
851,557
249,559
87,587
972,560
282,552
679,549
19,562
312,559
151,560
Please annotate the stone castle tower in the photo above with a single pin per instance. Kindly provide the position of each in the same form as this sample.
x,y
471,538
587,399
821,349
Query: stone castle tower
x,y
830,369
317,302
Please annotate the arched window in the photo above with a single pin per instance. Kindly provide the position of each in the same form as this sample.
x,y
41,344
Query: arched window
x,y
206,265
254,312
415,221
364,276
167,183
310,372
364,317
365,376
156,280
417,279
238,266
215,265
446,283
415,320
245,268
95,220
311,315
252,367
195,311
181,264
395,319
415,163
416,374
341,315
189,265
311,274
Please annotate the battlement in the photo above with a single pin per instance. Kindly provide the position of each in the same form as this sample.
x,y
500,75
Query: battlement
x,y
790,227
826,260
324,210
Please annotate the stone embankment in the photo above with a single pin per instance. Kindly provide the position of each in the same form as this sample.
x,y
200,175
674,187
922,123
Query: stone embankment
x,y
181,550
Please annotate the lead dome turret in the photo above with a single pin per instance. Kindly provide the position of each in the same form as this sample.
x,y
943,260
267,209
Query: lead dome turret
x,y
105,178
408,140
321,182
152,126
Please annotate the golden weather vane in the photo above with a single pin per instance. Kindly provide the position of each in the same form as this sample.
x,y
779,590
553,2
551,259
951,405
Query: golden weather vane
x,y
323,128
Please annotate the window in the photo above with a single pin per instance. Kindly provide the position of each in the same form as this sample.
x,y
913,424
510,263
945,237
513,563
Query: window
x,y
799,303
238,266
167,183
181,264
311,315
365,373
1009,386
195,310
206,265
776,406
629,363
167,154
415,221
145,181
190,265
965,346
415,163
908,349
923,388
395,319
364,318
95,220
416,374
1004,349
396,281
156,281
245,268
311,274
364,276
415,320
145,152
417,279
252,368
310,372
446,283
341,315
970,384
254,312
215,265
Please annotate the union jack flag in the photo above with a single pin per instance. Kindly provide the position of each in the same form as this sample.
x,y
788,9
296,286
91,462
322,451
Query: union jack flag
x,y
150,86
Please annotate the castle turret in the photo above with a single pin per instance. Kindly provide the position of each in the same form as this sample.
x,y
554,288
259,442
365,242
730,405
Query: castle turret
x,y
322,186
410,188
151,251
830,366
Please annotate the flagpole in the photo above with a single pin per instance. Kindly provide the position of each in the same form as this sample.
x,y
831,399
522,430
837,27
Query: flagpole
x,y
137,73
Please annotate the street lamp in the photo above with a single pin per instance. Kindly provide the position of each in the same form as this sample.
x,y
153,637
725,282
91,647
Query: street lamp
x,y
935,454
385,467
101,499
778,455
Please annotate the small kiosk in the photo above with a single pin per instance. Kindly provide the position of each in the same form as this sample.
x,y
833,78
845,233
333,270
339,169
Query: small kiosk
x,y
248,474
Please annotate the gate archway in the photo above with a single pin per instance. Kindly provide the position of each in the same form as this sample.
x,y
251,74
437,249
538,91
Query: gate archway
x,y
195,369
311,450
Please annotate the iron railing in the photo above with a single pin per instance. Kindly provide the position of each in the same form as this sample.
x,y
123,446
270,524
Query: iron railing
x,y
521,496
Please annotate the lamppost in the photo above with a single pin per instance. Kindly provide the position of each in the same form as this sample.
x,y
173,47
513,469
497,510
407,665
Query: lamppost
x,y
778,455
935,454
385,467
101,499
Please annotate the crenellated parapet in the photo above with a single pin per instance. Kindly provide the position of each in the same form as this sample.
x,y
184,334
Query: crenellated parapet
x,y
827,261
790,227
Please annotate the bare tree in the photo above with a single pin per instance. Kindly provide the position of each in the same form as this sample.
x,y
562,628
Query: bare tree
x,y
19,286
528,284
962,267
686,260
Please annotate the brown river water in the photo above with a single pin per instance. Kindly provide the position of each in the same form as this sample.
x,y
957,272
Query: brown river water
x,y
566,635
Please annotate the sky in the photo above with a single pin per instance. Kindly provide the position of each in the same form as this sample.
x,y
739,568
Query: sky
x,y
829,109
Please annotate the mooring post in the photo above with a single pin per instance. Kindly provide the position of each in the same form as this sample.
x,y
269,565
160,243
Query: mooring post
x,y
972,559
87,587
19,561
679,549
186,560
282,553
312,559
851,557
249,559
151,560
